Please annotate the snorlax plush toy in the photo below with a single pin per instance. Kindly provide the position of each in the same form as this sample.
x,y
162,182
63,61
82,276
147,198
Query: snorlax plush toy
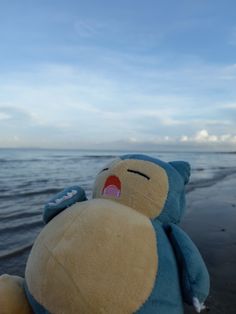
x,y
121,252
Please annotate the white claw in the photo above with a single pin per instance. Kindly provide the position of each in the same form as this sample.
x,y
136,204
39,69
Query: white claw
x,y
51,204
197,305
63,198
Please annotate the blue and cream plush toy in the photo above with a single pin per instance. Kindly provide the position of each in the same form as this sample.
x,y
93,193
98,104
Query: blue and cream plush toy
x,y
121,252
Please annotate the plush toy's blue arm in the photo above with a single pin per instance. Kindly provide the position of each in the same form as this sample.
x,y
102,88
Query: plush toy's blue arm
x,y
194,276
62,200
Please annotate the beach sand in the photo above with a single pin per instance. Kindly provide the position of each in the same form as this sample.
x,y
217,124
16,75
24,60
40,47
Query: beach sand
x,y
210,221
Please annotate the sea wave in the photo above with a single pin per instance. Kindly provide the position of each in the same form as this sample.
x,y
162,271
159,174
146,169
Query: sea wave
x,y
19,215
22,226
99,156
9,160
16,252
31,193
218,176
55,157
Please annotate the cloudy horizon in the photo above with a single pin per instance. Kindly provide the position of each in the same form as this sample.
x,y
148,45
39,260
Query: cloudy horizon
x,y
127,75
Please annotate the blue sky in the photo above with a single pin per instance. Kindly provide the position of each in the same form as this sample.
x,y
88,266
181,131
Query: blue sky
x,y
118,74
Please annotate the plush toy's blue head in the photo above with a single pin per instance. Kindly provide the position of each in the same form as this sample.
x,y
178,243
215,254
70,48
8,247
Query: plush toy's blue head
x,y
178,173
151,186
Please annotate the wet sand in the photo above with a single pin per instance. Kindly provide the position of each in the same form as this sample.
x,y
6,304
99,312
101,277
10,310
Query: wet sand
x,y
210,221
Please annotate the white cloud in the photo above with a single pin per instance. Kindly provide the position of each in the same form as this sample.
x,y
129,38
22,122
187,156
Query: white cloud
x,y
184,138
133,140
204,137
171,122
4,116
229,106
146,105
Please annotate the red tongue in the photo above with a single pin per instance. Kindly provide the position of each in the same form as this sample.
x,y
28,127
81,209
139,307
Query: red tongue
x,y
112,187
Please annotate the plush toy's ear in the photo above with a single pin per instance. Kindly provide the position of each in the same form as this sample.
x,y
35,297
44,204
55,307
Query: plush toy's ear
x,y
183,169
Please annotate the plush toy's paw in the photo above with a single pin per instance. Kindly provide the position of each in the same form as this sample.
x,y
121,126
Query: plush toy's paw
x,y
197,305
12,296
62,200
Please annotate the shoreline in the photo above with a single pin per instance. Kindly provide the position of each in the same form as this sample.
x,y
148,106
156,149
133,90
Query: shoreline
x,y
210,221
219,175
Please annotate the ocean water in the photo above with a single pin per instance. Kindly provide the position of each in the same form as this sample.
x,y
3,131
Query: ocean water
x,y
28,178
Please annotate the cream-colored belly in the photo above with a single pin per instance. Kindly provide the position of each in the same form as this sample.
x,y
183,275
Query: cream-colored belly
x,y
95,257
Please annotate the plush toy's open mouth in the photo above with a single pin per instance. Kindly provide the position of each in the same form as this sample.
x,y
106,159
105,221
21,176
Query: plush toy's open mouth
x,y
112,187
